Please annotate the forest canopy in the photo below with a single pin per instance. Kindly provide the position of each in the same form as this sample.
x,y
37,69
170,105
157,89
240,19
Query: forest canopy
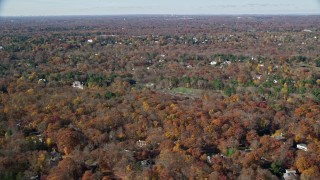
x,y
207,97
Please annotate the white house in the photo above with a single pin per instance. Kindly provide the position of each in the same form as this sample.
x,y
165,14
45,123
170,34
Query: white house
x,y
213,63
227,62
90,41
195,39
150,85
279,137
141,144
290,175
258,76
209,159
34,177
77,84
1,47
307,30
146,163
42,80
302,147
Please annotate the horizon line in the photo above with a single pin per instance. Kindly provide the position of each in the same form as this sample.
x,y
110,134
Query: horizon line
x,y
149,14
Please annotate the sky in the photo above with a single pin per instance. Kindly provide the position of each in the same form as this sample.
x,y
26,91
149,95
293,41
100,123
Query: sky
x,y
127,7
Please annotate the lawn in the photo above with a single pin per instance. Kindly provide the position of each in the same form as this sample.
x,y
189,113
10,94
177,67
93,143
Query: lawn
x,y
184,90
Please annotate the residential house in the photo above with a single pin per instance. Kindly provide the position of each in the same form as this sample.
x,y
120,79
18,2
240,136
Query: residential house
x,y
278,136
258,76
227,62
55,157
209,159
77,84
141,144
290,175
150,85
307,30
42,82
213,63
302,147
147,163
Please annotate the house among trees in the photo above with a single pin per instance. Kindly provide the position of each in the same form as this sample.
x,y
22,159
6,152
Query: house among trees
x,y
150,85
213,63
302,147
290,175
141,144
278,136
209,159
307,30
55,157
42,80
77,84
147,163
258,76
34,177
227,62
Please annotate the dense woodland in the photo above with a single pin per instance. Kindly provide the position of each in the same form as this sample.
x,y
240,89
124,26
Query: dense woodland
x,y
164,97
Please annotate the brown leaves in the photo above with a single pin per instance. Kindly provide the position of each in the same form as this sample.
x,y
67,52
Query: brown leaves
x,y
67,139
66,169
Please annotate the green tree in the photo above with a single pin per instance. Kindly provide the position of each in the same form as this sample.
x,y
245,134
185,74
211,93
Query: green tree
x,y
229,90
318,62
230,152
110,95
217,84
276,168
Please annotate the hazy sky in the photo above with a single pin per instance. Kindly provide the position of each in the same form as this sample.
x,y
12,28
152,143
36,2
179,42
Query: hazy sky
x,y
112,7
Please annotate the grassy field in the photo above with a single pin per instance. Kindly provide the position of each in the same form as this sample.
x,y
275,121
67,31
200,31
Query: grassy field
x,y
184,90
